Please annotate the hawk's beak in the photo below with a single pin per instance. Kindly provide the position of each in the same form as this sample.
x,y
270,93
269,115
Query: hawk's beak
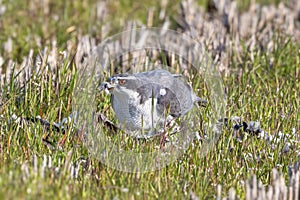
x,y
107,87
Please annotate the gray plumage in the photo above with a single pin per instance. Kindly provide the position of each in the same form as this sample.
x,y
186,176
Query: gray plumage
x,y
147,99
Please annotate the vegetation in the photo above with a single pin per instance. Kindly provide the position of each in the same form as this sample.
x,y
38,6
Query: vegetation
x,y
35,162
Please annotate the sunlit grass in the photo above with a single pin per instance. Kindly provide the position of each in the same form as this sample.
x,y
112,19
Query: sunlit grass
x,y
37,163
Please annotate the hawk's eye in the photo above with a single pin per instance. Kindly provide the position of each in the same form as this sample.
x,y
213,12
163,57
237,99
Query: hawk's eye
x,y
122,81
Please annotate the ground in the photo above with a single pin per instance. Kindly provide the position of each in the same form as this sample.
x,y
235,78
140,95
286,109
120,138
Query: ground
x,y
44,44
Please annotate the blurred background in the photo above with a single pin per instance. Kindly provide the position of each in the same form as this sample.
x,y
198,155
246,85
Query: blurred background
x,y
254,44
34,24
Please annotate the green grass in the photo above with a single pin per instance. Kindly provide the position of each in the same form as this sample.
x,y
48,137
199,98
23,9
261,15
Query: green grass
x,y
258,90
